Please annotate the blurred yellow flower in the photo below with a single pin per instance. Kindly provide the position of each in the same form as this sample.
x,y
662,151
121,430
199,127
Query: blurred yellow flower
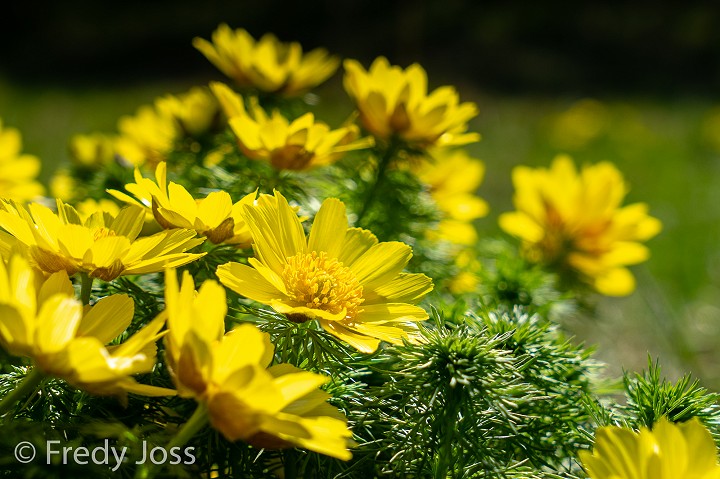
x,y
195,111
214,216
287,145
103,246
580,124
43,321
63,185
93,150
88,207
575,220
273,407
18,172
344,278
268,64
147,137
669,451
453,178
395,103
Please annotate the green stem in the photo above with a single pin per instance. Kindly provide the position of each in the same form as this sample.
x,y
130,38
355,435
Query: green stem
x,y
447,437
196,422
26,386
85,287
385,160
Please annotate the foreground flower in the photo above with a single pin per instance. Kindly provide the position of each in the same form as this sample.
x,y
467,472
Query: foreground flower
x,y
669,451
395,102
214,216
44,322
274,407
103,246
453,177
287,145
575,221
344,278
268,64
18,172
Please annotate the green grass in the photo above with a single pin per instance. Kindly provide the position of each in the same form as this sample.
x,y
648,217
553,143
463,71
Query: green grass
x,y
668,150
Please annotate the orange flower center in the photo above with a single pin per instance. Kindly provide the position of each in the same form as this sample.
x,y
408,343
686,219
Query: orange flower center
x,y
315,281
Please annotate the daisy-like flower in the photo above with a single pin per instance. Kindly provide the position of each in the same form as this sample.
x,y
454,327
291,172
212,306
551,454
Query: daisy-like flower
x,y
146,137
18,172
287,145
195,111
43,321
669,451
454,193
103,246
344,278
395,103
275,407
575,221
214,216
268,64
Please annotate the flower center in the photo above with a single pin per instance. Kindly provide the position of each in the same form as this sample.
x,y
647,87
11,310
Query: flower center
x,y
315,281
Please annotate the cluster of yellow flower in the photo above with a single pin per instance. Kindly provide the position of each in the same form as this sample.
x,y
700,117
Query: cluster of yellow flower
x,y
340,276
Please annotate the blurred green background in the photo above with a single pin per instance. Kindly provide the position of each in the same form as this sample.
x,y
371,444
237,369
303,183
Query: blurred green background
x,y
633,84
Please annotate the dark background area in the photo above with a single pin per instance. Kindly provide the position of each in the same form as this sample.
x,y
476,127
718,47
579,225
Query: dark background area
x,y
522,46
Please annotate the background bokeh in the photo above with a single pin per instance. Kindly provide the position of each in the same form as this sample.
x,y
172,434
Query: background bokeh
x,y
636,84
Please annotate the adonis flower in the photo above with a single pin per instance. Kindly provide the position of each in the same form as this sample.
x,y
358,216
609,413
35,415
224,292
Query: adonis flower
x,y
344,278
287,145
268,64
147,137
395,103
669,451
453,177
195,111
214,216
575,221
103,246
273,407
17,171
43,321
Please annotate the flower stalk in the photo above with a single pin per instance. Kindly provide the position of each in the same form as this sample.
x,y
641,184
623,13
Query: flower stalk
x,y
29,384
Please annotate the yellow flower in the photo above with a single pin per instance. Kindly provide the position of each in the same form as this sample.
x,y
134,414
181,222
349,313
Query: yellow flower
x,y
94,150
17,171
214,216
43,321
102,246
575,220
63,185
88,207
669,451
268,65
453,177
287,145
395,102
147,137
344,278
195,111
271,407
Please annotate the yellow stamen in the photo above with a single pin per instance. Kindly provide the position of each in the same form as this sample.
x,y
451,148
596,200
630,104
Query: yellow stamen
x,y
318,282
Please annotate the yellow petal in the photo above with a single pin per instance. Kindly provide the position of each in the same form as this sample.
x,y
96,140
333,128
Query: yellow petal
x,y
108,318
56,323
328,229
